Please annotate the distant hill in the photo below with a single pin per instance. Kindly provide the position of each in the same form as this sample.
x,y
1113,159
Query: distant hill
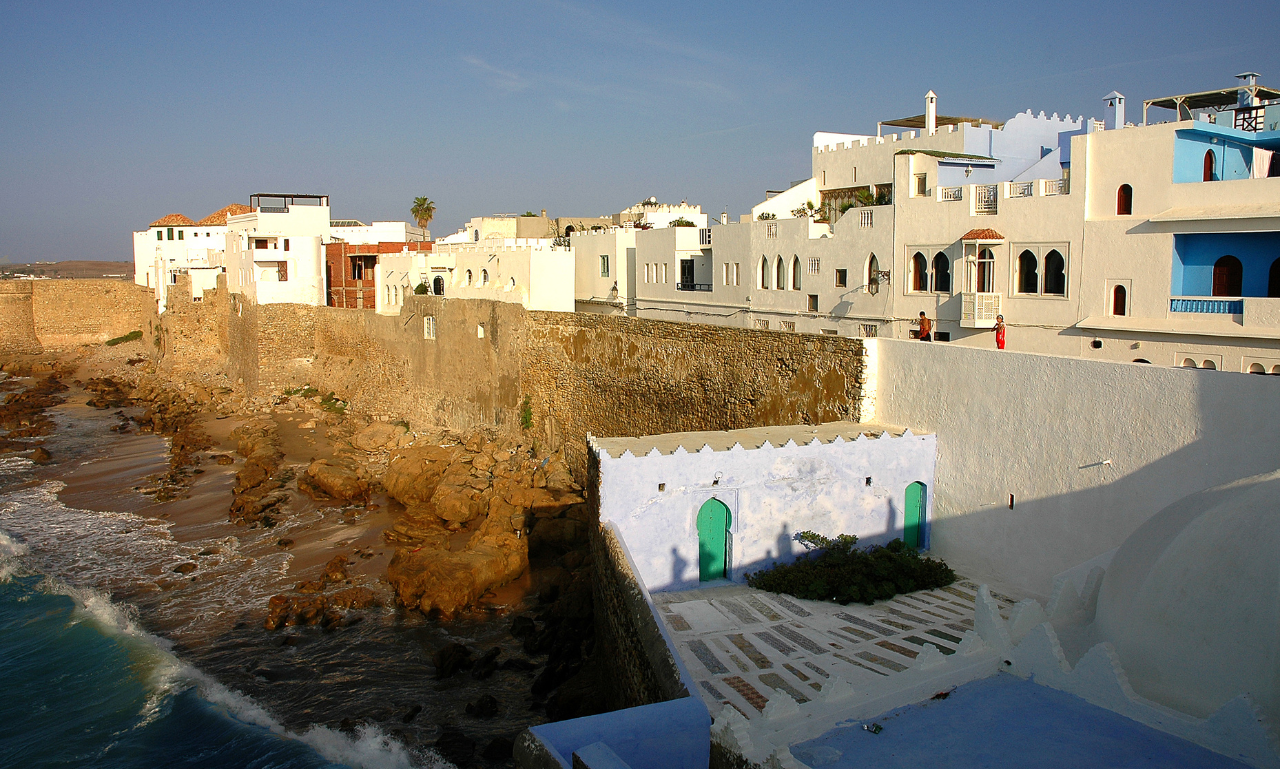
x,y
85,269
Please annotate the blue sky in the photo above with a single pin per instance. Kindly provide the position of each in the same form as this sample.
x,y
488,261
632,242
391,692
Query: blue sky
x,y
115,114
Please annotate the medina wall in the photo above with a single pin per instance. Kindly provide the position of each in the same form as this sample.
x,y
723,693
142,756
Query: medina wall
x,y
464,364
1047,462
70,313
17,322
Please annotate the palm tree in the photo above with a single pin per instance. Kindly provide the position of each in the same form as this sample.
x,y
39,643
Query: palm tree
x,y
423,211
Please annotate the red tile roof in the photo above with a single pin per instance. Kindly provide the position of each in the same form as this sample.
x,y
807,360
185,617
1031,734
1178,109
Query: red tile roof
x,y
983,234
219,218
172,220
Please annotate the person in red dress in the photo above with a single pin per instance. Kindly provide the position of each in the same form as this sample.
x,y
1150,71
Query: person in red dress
x,y
999,329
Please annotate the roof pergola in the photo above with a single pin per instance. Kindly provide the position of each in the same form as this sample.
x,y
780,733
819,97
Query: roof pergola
x,y
1215,100
917,121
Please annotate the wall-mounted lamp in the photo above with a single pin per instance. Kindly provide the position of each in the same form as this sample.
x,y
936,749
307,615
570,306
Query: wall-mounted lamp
x,y
967,171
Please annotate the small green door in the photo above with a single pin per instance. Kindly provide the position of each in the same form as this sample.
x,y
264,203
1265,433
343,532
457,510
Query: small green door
x,y
913,520
714,520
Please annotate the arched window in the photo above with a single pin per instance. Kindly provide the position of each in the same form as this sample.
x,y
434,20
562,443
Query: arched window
x,y
795,273
941,273
1257,368
1210,167
986,271
569,231
1124,200
873,275
1188,363
781,282
1119,301
1209,365
764,272
1273,280
919,273
1055,274
437,286
1028,273
468,278
1228,276
484,277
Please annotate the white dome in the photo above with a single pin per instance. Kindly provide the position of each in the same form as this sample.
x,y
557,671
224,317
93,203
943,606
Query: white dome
x,y
1191,600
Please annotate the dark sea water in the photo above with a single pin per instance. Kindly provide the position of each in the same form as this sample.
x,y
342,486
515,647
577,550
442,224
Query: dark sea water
x,y
110,659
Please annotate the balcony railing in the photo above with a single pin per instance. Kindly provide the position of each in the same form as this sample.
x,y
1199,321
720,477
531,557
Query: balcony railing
x,y
1214,306
693,287
704,237
979,309
1250,118
1021,189
1056,187
985,198
951,193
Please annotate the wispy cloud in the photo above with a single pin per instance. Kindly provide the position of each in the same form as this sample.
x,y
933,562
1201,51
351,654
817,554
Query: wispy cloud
x,y
507,81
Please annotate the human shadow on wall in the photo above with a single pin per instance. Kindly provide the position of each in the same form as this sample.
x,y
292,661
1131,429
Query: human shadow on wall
x,y
678,566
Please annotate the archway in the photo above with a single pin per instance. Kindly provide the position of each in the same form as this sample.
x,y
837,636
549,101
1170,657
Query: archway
x,y
913,518
795,273
437,286
919,273
1228,276
941,273
1119,301
873,275
1028,273
1210,166
715,543
569,231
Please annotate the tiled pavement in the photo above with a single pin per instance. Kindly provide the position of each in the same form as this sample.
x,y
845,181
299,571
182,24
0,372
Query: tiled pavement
x,y
745,646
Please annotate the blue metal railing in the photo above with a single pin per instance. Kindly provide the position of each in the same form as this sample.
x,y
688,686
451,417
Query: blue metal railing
x,y
1217,306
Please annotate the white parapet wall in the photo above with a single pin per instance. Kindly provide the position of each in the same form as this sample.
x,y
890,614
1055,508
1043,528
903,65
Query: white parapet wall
x,y
832,479
1046,462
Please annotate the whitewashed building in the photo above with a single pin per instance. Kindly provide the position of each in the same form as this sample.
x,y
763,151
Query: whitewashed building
x,y
1154,243
275,251
175,245
705,506
356,232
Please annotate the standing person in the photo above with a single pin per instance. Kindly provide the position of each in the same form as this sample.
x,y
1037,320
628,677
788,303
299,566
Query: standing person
x,y
999,329
926,328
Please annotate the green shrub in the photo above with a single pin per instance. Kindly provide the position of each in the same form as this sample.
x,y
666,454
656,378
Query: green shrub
x,y
836,571
333,405
767,216
421,289
526,414
129,337
681,222
306,391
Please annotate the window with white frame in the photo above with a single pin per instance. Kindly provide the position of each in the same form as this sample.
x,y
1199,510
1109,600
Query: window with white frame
x,y
604,265
866,218
737,274
428,327
1040,269
815,265
664,272
771,229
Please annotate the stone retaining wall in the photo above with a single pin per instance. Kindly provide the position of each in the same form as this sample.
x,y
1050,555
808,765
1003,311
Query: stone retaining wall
x,y
70,313
17,323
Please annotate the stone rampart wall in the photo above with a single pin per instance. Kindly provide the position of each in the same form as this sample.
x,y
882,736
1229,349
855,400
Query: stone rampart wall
x,y
17,323
193,334
69,313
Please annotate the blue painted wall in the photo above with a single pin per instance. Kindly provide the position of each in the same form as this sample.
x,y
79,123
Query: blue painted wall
x,y
1194,255
1232,159
665,735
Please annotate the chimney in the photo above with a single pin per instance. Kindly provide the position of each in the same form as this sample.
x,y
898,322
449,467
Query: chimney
x,y
1248,95
724,217
931,113
1114,113
544,213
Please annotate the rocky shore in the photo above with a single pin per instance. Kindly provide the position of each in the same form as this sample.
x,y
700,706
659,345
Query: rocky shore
x,y
478,525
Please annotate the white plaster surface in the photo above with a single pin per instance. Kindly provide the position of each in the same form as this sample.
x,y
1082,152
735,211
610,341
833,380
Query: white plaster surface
x,y
1042,427
1191,600
653,494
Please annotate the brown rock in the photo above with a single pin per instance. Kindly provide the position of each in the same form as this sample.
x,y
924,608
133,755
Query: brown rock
x,y
338,481
41,456
414,473
376,436
455,504
437,581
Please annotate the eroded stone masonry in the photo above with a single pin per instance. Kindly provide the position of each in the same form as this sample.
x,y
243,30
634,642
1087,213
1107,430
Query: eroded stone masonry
x,y
553,377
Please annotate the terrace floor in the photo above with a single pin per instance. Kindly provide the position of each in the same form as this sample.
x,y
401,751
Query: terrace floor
x,y
745,646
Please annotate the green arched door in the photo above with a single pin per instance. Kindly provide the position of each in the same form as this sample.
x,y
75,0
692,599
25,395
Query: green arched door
x,y
913,519
714,520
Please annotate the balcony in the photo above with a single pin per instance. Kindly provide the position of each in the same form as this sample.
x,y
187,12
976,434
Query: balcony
x,y
1214,306
704,237
979,309
951,193
693,287
985,199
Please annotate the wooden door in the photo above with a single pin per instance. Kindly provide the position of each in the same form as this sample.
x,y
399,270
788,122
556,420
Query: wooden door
x,y
714,520
913,519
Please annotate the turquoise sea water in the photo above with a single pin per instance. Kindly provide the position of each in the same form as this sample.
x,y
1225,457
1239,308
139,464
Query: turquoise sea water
x,y
85,687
